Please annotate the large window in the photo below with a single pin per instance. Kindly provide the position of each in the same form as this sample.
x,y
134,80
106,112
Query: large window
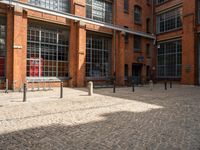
x,y
56,5
169,21
98,57
169,59
99,10
47,52
2,46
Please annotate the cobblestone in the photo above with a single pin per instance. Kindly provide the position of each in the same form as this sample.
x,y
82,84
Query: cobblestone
x,y
144,120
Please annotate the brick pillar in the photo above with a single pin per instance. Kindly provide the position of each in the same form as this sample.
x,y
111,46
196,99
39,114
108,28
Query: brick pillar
x,y
80,43
81,54
19,47
73,54
120,59
9,54
188,41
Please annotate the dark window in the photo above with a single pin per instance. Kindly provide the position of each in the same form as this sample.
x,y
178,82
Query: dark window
x,y
2,46
137,14
126,6
148,25
126,38
160,1
148,53
137,43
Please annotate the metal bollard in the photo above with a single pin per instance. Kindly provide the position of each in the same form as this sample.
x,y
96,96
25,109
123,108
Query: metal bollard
x,y
90,88
114,86
133,86
24,92
6,91
49,86
151,85
14,84
32,86
170,83
165,85
61,90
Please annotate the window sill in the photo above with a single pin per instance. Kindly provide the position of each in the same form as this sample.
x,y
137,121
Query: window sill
x,y
138,23
137,51
126,12
47,79
173,30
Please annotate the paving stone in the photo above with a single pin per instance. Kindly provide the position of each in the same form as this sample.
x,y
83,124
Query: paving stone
x,y
143,120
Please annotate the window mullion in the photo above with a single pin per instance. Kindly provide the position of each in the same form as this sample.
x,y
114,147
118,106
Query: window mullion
x,y
40,53
57,42
91,50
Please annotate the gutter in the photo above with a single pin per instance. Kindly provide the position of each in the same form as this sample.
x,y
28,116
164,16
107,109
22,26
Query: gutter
x,y
76,18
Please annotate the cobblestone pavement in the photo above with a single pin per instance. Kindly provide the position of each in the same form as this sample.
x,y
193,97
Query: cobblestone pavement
x,y
144,120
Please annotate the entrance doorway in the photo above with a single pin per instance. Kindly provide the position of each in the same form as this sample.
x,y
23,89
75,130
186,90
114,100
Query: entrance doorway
x,y
136,73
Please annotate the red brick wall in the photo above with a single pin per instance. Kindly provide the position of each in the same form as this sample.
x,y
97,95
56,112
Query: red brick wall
x,y
17,31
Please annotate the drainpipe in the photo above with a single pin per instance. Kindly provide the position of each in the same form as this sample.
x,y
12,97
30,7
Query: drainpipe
x,y
114,22
152,15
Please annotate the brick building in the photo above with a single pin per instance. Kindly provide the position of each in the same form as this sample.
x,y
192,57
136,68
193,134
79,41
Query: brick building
x,y
75,41
177,28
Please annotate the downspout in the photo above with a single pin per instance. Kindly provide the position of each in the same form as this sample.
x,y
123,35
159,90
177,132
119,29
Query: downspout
x,y
114,22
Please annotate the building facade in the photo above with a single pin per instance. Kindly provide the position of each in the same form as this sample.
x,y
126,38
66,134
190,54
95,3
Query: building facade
x,y
177,32
76,41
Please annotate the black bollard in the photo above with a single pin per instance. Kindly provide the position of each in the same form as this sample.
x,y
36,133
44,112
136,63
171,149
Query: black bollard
x,y
165,85
170,83
61,90
24,92
133,86
6,91
114,86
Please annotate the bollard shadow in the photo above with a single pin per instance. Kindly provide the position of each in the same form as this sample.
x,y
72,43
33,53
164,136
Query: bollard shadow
x,y
115,131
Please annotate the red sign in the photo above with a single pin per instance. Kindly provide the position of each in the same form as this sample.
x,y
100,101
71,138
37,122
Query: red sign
x,y
34,67
2,64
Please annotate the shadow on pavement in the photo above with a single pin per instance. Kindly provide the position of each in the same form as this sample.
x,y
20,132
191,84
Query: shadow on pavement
x,y
120,130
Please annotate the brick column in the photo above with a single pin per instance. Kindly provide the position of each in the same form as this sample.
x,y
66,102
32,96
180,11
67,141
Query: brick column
x,y
81,54
80,43
120,59
19,47
188,41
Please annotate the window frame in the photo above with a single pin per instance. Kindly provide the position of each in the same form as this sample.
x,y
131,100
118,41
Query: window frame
x,y
168,55
163,21
137,14
93,11
43,31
